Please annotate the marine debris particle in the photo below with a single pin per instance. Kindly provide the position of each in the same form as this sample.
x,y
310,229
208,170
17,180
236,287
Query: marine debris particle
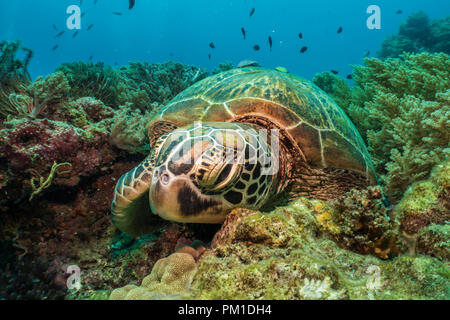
x,y
44,184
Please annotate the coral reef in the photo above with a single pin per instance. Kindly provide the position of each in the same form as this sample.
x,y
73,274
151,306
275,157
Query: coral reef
x,y
170,278
426,201
284,255
224,66
418,34
98,80
149,83
401,108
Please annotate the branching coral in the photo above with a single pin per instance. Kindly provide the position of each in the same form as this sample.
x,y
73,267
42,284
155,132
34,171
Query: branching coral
x,y
418,34
402,109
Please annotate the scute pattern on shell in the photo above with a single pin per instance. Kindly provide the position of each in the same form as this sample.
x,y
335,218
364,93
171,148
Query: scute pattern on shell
x,y
308,115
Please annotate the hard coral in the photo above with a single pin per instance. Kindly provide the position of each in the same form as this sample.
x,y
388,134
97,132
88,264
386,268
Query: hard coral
x,y
170,277
288,256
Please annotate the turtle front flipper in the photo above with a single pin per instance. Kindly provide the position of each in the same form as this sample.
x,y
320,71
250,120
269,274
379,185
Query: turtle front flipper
x,y
130,208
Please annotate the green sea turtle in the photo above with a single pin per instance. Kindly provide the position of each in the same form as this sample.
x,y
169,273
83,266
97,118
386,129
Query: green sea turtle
x,y
239,139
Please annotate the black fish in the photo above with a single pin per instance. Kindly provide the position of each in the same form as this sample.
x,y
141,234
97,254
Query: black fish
x,y
211,45
82,15
117,13
75,34
54,27
243,32
55,47
339,30
399,12
334,71
270,43
349,77
209,56
59,34
90,27
256,47
367,54
132,2
300,35
252,11
302,50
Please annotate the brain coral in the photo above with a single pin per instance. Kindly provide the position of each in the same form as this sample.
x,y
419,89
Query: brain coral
x,y
170,277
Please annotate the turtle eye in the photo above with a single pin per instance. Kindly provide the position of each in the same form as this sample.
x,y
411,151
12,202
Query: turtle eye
x,y
165,178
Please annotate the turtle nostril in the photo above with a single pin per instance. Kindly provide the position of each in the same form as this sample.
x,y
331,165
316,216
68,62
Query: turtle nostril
x,y
165,178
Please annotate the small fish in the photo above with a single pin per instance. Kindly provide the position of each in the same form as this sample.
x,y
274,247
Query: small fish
x,y
55,47
243,32
81,3
300,35
367,54
60,34
252,11
95,2
117,13
399,12
303,50
209,56
349,77
211,45
334,71
115,63
132,3
75,34
90,27
256,47
90,58
270,43
171,54
82,15
340,30
54,27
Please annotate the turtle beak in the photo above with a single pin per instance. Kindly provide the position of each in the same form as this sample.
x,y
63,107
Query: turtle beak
x,y
163,191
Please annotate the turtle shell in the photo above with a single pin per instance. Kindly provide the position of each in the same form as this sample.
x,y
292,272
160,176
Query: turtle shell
x,y
305,114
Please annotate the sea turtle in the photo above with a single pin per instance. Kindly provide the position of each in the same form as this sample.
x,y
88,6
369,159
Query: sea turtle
x,y
239,139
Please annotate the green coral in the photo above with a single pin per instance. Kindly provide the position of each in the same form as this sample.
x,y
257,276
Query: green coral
x,y
285,255
149,83
128,130
418,34
426,202
401,107
98,80
224,66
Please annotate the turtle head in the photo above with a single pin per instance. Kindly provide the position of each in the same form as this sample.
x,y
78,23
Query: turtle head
x,y
203,171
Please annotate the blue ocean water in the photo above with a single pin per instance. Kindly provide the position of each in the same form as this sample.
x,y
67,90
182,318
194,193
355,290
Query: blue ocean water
x,y
180,30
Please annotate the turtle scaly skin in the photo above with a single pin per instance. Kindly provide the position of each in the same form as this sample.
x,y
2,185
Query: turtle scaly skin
x,y
239,139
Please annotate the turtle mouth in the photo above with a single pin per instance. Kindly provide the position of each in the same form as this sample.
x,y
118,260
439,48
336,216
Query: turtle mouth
x,y
177,199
